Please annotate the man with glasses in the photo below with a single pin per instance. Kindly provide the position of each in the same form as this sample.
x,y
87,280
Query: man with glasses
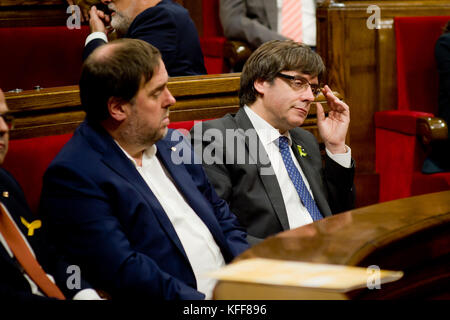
x,y
267,168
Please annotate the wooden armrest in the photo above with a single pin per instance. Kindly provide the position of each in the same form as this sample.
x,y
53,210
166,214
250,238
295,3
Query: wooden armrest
x,y
236,53
431,129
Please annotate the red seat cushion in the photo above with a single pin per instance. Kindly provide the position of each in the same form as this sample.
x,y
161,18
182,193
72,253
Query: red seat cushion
x,y
403,121
27,160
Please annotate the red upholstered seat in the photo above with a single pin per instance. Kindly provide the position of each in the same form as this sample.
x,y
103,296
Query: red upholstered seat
x,y
212,41
399,153
44,56
27,160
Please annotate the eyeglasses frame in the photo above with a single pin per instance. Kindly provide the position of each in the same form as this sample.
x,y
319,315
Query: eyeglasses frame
x,y
315,88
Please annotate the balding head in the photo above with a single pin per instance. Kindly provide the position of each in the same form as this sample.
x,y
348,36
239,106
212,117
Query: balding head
x,y
115,70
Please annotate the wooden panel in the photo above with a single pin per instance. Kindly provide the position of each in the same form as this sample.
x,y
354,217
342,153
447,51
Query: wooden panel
x,y
33,13
58,110
195,10
6,3
411,235
361,65
387,74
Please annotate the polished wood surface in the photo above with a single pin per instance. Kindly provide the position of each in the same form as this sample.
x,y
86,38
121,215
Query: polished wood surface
x,y
431,129
411,235
58,110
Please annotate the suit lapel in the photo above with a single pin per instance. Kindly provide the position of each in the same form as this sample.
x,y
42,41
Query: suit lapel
x,y
266,173
16,213
188,189
314,181
115,159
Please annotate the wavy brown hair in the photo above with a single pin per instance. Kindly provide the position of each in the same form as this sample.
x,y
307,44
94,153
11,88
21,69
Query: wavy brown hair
x,y
273,57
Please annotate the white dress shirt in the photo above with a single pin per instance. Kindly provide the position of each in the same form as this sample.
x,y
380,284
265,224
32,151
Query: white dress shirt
x,y
297,213
308,21
201,249
96,35
85,294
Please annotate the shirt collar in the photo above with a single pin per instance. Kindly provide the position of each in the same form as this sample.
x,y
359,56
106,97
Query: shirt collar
x,y
266,133
147,155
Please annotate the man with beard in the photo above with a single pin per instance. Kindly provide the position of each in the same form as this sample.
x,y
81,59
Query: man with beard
x,y
139,225
272,174
163,23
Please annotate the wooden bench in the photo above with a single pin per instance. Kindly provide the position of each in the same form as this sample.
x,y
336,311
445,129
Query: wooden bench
x,y
58,110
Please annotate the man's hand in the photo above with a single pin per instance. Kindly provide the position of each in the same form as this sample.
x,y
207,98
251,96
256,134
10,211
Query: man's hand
x,y
98,21
333,128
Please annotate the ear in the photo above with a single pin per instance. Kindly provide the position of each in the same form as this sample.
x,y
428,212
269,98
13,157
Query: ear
x,y
117,108
260,86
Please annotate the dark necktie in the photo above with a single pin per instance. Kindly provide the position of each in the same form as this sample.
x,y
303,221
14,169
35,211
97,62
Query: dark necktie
x,y
296,177
25,257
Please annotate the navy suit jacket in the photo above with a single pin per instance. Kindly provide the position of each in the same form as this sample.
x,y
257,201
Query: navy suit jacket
x,y
102,212
168,27
13,284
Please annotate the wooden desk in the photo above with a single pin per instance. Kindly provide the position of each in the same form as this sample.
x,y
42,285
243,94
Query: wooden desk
x,y
411,235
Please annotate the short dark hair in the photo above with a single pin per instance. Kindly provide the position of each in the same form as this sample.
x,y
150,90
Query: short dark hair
x,y
118,73
273,57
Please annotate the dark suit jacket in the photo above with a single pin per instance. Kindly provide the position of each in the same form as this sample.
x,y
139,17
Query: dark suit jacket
x,y
442,55
168,27
13,285
102,212
255,196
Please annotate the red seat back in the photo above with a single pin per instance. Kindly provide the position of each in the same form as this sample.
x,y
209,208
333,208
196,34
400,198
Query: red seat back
x,y
212,39
211,20
27,160
417,77
44,56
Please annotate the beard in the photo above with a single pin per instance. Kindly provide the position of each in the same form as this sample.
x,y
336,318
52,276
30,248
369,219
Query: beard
x,y
120,23
138,132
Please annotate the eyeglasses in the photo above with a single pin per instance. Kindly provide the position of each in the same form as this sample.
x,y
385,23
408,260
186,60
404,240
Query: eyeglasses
x,y
8,119
298,82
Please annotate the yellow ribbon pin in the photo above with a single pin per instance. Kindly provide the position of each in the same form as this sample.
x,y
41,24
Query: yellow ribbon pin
x,y
36,224
300,150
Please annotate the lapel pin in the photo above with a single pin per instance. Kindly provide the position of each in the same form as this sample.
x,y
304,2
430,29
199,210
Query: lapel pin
x,y
36,224
173,149
5,194
301,151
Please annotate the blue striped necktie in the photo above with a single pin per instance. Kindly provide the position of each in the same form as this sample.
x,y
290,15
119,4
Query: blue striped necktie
x,y
296,177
